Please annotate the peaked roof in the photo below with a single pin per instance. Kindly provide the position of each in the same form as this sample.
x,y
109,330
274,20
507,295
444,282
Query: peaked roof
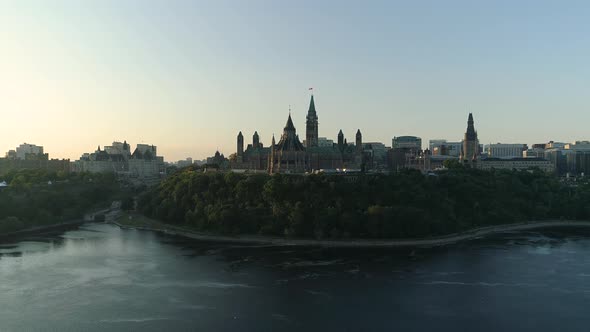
x,y
471,134
311,110
289,125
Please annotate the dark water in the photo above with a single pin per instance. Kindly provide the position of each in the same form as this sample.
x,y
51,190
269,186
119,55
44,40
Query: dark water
x,y
102,278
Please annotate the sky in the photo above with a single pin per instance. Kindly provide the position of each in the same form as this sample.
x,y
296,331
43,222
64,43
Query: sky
x,y
187,76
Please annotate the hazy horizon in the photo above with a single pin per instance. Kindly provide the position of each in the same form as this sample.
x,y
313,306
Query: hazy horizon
x,y
187,76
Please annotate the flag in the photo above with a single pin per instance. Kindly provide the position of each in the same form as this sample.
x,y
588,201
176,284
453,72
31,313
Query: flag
x,y
310,88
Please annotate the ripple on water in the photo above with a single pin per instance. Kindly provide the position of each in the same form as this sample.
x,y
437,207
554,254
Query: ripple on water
x,y
481,283
193,284
135,320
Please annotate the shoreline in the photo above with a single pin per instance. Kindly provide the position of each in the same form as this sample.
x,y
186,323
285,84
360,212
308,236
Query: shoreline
x,y
42,229
360,243
88,217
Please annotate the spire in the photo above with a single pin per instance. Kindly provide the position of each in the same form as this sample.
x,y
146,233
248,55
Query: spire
x,y
273,140
359,141
289,125
311,111
470,134
240,149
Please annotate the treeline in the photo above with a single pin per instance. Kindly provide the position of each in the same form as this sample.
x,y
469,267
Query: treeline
x,y
41,197
399,205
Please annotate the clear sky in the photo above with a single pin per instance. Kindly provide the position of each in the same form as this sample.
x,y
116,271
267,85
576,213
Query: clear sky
x,y
188,75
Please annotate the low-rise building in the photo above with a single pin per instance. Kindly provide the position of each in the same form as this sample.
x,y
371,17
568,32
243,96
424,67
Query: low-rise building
x,y
507,151
31,156
184,163
569,158
141,166
517,164
536,151
442,147
409,142
29,151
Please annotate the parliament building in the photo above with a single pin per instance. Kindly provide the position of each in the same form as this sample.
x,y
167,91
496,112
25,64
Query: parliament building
x,y
290,155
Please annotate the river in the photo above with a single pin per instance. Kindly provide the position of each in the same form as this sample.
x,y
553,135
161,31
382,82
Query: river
x,y
103,278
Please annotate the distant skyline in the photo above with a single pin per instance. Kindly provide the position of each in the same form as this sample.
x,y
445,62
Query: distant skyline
x,y
187,76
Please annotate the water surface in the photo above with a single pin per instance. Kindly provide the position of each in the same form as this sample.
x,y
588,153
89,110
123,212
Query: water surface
x,y
100,277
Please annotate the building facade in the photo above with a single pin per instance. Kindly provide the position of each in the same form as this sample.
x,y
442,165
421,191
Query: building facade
x,y
410,142
290,155
507,151
31,156
517,164
441,147
142,166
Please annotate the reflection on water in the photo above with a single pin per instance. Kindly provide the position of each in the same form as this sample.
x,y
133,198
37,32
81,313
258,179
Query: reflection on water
x,y
100,277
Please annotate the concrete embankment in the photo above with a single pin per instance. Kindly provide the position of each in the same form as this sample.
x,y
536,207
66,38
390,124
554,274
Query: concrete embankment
x,y
360,243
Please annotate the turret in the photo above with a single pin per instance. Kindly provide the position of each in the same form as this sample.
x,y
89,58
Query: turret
x,y
240,151
271,156
340,139
255,140
359,141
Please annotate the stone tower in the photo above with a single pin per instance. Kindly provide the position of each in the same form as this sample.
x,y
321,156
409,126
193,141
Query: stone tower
x,y
359,141
240,151
255,140
271,156
470,148
340,139
311,126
